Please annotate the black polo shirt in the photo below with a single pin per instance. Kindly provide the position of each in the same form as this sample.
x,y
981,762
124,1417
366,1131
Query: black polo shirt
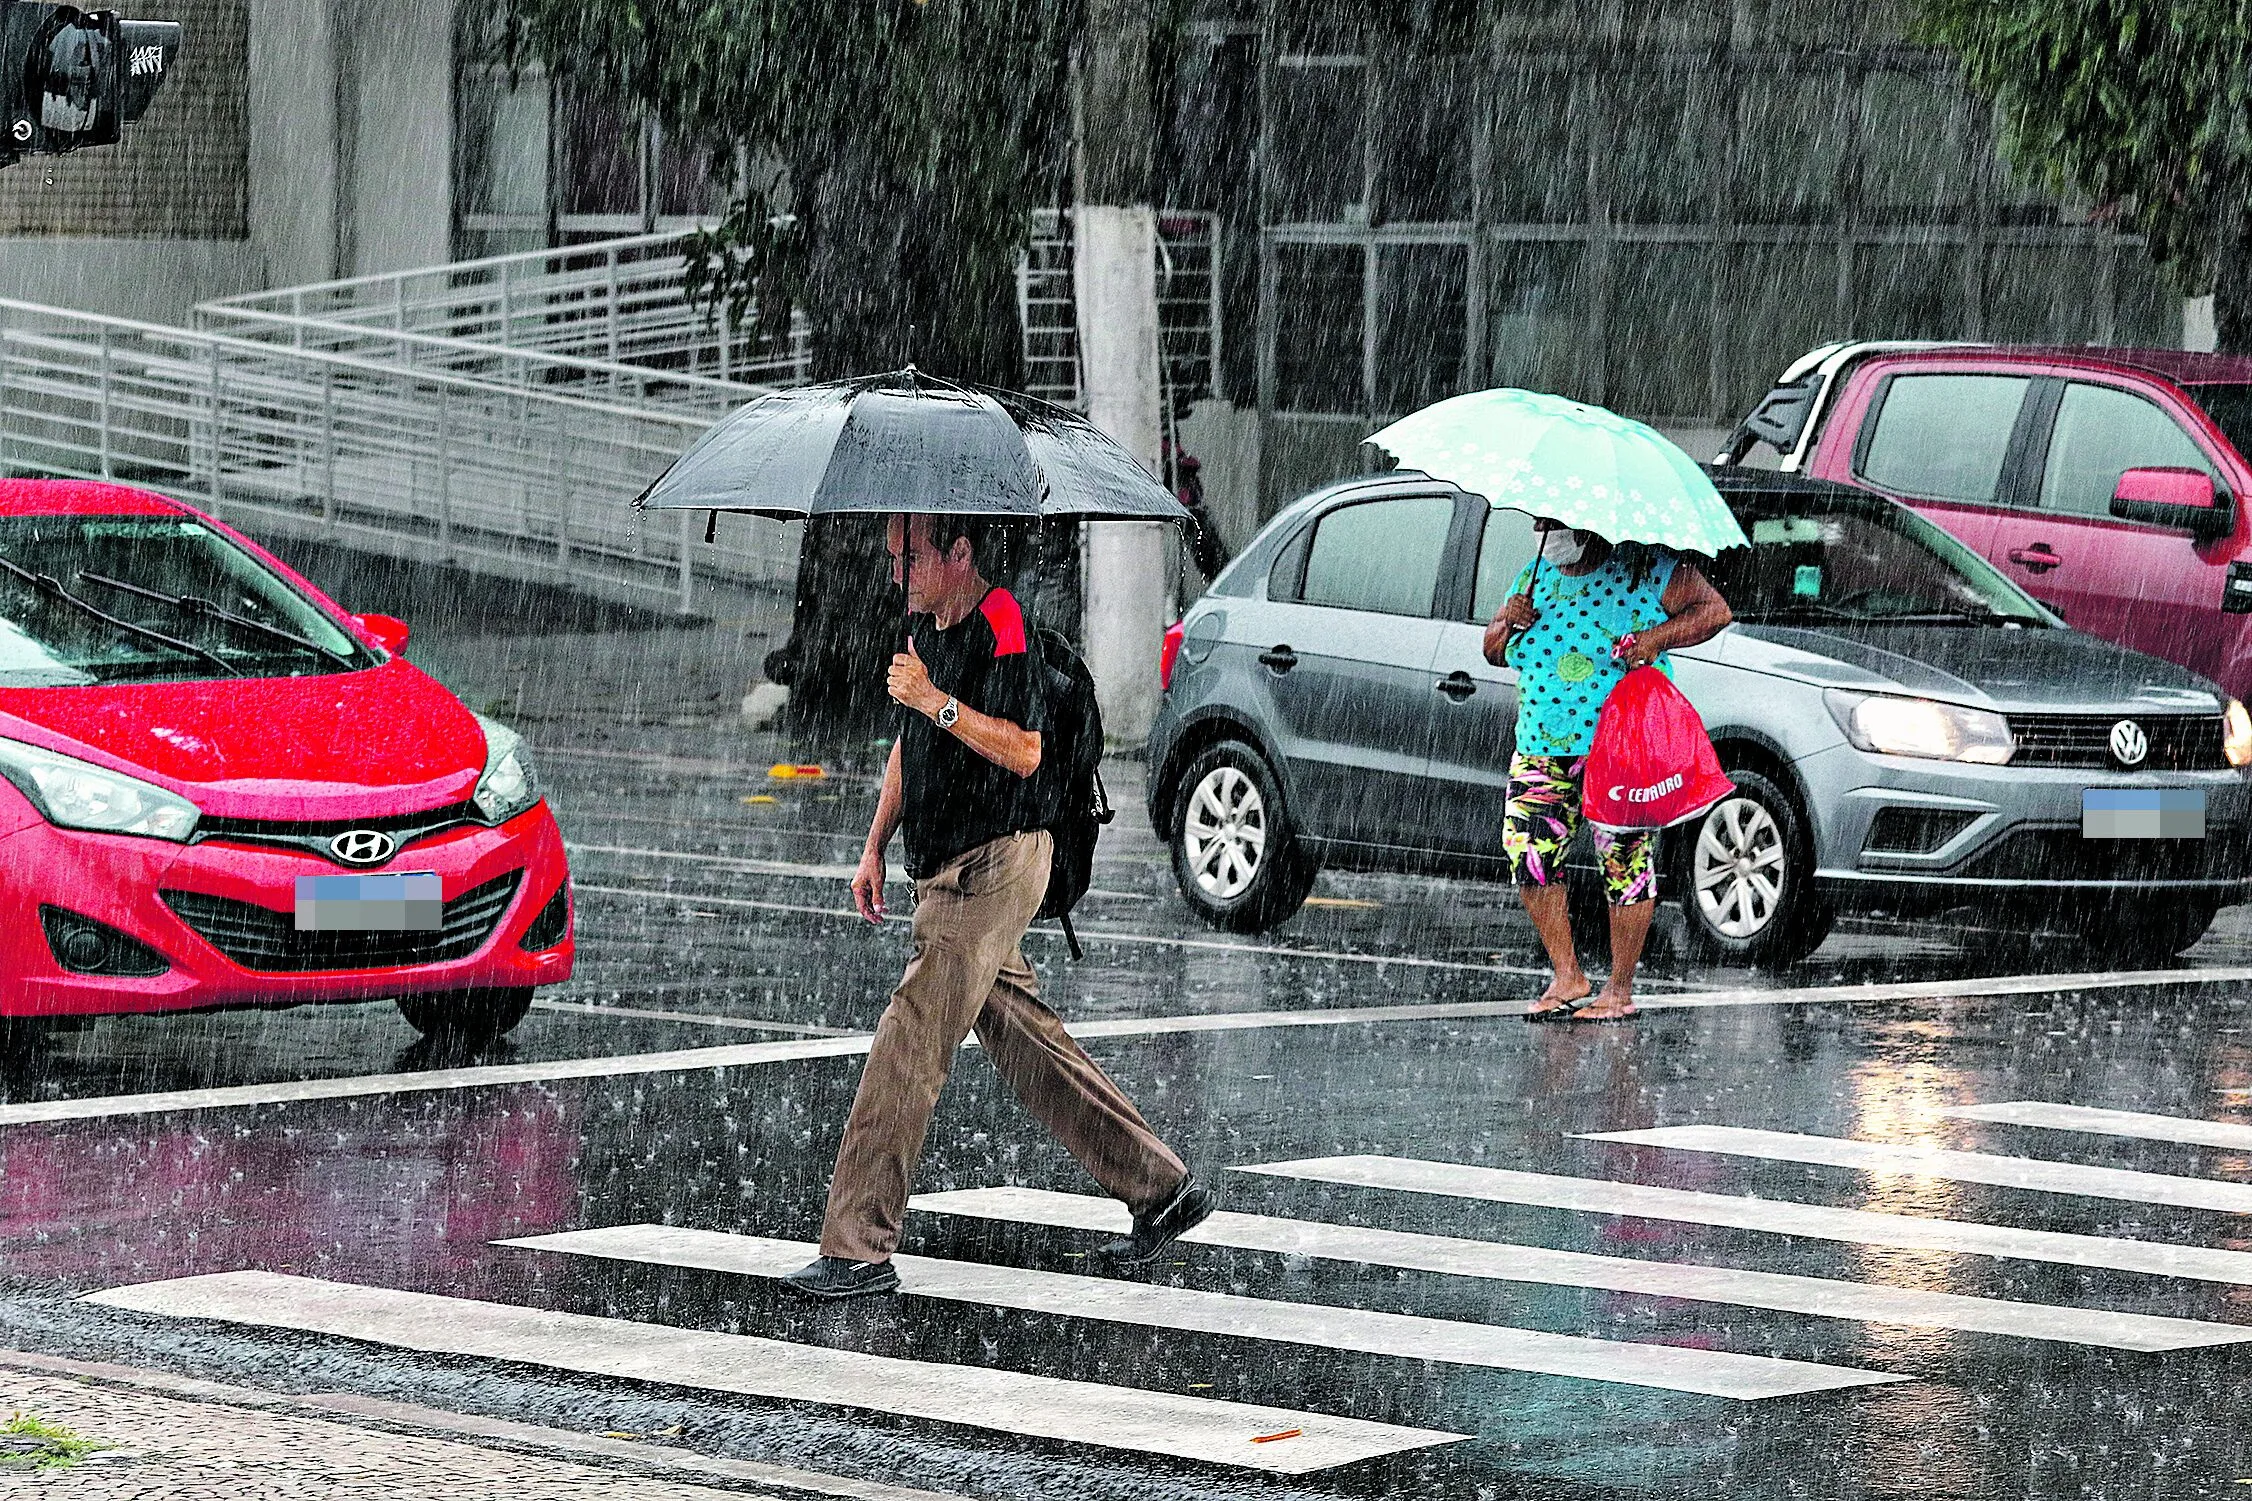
x,y
957,800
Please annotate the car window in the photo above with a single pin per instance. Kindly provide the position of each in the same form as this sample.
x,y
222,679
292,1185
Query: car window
x,y
2102,432
1943,437
1827,560
2230,407
1380,555
1503,552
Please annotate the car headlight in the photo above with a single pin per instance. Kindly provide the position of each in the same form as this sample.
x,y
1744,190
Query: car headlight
x,y
75,794
2236,734
509,785
1921,727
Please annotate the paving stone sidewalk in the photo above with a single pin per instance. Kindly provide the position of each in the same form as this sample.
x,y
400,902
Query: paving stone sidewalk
x,y
181,1440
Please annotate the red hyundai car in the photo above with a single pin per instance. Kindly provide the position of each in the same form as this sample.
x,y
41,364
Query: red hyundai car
x,y
218,789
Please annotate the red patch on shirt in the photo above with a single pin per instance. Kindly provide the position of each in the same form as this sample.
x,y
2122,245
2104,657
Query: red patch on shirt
x,y
1006,620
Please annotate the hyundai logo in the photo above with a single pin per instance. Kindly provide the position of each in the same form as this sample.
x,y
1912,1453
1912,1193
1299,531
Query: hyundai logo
x,y
2128,743
373,847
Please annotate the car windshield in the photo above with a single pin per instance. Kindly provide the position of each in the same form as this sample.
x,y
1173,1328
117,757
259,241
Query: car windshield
x,y
1822,559
2230,407
99,599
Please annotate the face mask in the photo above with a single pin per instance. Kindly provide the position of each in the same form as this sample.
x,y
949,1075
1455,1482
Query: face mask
x,y
1562,548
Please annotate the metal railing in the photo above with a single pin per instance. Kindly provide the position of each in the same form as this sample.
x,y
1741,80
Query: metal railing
x,y
309,442
1188,306
609,317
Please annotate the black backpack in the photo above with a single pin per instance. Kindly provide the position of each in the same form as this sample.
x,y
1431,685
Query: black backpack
x,y
1071,765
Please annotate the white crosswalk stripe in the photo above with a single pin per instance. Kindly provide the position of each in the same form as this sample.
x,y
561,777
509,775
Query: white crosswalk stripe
x,y
1776,1216
1115,1417
1820,1296
1910,1160
2176,1128
1712,1373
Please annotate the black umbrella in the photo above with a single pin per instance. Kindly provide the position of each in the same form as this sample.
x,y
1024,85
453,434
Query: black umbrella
x,y
906,441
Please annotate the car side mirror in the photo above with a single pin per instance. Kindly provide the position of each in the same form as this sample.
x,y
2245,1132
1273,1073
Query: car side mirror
x,y
2183,498
386,631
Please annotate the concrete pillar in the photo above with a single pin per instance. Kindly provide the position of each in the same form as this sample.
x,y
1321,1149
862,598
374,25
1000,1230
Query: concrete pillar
x,y
2198,331
1128,564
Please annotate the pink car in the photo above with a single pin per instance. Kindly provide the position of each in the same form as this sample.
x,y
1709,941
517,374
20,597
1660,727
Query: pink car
x,y
2110,484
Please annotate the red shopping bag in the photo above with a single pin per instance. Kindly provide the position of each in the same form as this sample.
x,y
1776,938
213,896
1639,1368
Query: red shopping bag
x,y
1653,764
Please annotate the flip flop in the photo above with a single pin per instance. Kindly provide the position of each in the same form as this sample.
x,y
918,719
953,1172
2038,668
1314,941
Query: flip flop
x,y
1623,1016
1562,1011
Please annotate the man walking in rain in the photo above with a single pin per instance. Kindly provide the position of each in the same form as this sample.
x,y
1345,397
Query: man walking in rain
x,y
973,703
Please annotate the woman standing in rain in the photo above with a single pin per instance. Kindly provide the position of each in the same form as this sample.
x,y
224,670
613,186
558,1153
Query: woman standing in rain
x,y
1578,618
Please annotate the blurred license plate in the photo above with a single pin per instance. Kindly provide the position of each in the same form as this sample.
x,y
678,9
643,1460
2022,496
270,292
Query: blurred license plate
x,y
406,901
2142,813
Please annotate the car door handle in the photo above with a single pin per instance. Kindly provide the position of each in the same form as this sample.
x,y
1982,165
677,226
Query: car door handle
x,y
2035,559
1280,658
1456,685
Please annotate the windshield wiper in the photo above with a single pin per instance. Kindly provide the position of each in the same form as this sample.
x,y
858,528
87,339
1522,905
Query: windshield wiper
x,y
49,585
1804,609
191,604
1947,617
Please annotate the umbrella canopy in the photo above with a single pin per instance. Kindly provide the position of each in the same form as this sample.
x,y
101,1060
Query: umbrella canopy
x,y
908,442
1588,468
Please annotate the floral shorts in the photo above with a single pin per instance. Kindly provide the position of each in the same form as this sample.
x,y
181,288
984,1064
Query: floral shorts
x,y
1544,814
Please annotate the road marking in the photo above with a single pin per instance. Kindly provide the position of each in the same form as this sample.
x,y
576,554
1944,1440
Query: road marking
x,y
1708,1373
1112,1417
2176,1128
1863,1227
1905,1160
1821,1296
793,869
741,1023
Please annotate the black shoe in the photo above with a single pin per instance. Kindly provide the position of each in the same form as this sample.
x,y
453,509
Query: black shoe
x,y
1191,1205
834,1279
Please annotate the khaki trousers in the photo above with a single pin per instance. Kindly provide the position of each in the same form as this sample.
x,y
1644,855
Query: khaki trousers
x,y
968,970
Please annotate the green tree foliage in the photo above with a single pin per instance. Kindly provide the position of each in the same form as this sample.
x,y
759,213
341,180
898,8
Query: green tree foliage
x,y
2137,105
880,160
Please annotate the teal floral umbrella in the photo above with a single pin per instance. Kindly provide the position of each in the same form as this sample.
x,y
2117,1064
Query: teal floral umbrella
x,y
1588,468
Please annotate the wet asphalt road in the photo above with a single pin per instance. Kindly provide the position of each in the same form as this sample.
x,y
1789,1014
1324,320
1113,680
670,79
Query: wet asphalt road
x,y
712,914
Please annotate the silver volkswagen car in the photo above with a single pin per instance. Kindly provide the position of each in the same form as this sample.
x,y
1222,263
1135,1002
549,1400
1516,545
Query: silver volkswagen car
x,y
1908,732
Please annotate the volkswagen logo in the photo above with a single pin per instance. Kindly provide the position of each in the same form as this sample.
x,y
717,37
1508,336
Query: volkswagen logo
x,y
373,847
2128,743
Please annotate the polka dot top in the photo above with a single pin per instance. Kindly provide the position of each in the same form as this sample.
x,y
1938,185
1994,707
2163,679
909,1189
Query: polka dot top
x,y
1564,665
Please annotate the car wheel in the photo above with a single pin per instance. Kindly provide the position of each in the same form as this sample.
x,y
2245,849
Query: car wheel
x,y
467,1016
1236,858
2154,941
1746,876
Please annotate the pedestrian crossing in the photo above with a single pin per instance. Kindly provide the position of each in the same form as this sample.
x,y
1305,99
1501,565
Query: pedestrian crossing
x,y
1287,1438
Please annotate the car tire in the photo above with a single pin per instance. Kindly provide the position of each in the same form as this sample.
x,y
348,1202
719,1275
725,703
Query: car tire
x,y
2155,941
1755,858
1236,857
467,1016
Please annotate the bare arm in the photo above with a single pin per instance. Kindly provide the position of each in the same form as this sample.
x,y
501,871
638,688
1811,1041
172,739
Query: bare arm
x,y
1695,613
1005,743
868,880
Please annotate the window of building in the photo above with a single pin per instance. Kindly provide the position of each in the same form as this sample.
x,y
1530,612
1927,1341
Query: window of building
x,y
182,172
1943,437
1320,293
2101,433
1315,112
1382,556
1421,353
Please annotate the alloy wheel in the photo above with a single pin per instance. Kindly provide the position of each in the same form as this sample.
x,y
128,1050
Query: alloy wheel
x,y
1224,833
1737,868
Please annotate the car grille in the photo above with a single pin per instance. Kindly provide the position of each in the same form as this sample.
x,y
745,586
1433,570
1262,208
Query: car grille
x,y
259,938
313,834
2063,855
2178,742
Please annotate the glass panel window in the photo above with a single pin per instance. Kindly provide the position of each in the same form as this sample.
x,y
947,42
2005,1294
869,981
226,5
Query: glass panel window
x,y
1503,552
1666,135
1318,301
1382,556
1661,331
1316,174
1537,145
504,146
1422,310
1536,317
684,179
1914,169
601,152
1423,141
1944,437
1791,133
1782,300
2101,433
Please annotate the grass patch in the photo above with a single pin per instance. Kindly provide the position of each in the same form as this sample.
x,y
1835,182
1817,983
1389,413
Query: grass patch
x,y
28,1442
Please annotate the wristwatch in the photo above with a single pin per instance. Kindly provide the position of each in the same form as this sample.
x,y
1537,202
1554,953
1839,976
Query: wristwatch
x,y
951,711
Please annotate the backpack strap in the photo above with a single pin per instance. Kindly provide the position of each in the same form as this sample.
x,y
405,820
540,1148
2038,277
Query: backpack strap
x,y
1071,939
